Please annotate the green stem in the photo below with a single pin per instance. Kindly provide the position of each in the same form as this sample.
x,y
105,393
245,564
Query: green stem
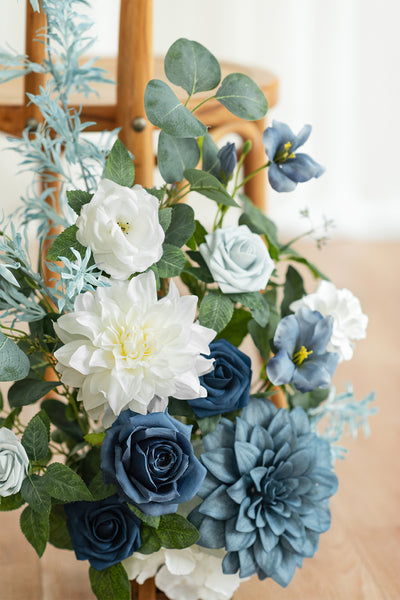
x,y
246,179
202,102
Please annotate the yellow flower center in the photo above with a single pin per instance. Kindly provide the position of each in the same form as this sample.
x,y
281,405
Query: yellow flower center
x,y
124,226
300,356
283,155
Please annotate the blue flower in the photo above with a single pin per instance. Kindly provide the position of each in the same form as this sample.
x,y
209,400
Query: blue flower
x,y
266,494
103,532
301,340
151,461
228,159
288,168
228,384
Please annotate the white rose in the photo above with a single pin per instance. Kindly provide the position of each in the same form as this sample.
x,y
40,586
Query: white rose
x,y
349,322
14,463
238,259
121,227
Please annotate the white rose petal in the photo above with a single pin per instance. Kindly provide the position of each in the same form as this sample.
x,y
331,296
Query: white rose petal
x,y
238,259
124,348
14,463
121,227
349,322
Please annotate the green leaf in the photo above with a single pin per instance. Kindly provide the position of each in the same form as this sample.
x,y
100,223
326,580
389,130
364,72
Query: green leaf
x,y
167,112
256,303
95,439
209,186
174,155
215,311
14,364
182,225
200,233
147,519
35,439
119,166
35,494
201,272
11,502
63,243
149,540
77,199
257,222
1,401
208,424
64,484
111,583
59,534
35,527
309,399
242,97
292,290
9,420
210,160
172,261
180,407
261,337
314,270
236,330
176,532
27,391
56,412
191,66
99,489
164,217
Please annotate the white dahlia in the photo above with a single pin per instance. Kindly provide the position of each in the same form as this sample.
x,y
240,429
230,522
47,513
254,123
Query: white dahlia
x,y
124,347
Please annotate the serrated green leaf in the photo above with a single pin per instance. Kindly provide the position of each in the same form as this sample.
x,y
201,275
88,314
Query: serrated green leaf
x,y
55,409
77,199
95,439
35,527
182,225
119,166
29,390
236,330
172,261
242,97
209,186
149,540
63,243
99,489
14,364
35,439
111,583
63,483
11,502
208,424
164,217
35,494
191,66
167,112
175,531
292,290
59,534
215,311
147,519
314,270
174,155
200,233
260,336
256,303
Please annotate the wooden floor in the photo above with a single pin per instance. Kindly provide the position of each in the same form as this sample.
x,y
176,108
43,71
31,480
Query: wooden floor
x,y
359,558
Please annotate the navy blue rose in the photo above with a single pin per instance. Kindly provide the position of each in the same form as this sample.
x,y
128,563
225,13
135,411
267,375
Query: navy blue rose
x,y
228,384
151,461
103,532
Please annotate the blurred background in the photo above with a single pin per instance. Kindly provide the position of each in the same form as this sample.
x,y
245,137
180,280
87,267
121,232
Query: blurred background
x,y
338,66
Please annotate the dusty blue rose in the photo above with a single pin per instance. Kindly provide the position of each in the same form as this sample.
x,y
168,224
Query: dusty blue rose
x,y
238,259
228,384
288,167
103,532
267,490
151,461
301,340
228,159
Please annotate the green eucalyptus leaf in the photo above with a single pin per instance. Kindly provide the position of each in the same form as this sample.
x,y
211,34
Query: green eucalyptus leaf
x,y
182,225
63,243
119,166
209,186
242,97
111,583
36,529
34,493
174,155
172,261
175,531
77,199
192,67
27,391
236,330
59,534
14,364
11,502
63,483
292,290
167,112
215,311
35,439
164,217
210,160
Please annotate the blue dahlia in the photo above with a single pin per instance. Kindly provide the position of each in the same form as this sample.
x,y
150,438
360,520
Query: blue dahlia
x,y
288,167
266,493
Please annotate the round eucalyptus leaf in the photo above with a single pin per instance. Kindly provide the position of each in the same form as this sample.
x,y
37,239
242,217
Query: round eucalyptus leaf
x,y
167,112
14,364
191,66
175,155
242,97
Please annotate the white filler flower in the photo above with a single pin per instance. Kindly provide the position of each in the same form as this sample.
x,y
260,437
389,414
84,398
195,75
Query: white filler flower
x,y
349,322
189,574
121,227
123,346
14,463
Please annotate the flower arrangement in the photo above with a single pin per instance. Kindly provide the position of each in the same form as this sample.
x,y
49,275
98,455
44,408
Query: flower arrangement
x,y
159,452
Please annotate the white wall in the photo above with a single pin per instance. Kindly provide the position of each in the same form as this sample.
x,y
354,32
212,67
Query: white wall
x,y
338,63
